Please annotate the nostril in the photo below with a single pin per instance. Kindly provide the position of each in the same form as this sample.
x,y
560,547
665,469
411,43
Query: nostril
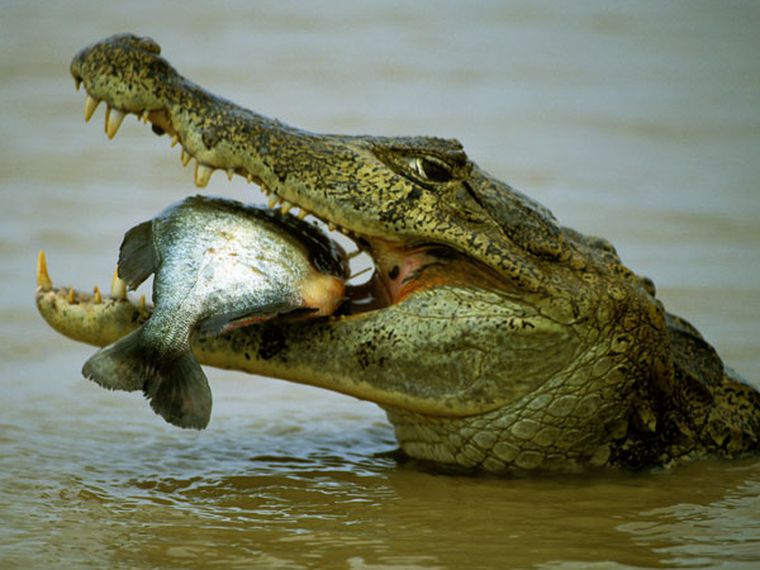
x,y
148,44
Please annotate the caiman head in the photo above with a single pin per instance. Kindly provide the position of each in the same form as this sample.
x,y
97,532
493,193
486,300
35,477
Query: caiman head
x,y
492,336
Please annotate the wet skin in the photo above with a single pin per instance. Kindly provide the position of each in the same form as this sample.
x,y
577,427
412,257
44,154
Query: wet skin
x,y
494,338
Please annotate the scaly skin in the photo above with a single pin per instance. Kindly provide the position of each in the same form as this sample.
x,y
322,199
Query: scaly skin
x,y
497,339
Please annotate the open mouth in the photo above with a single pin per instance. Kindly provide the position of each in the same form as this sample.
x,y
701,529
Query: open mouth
x,y
382,272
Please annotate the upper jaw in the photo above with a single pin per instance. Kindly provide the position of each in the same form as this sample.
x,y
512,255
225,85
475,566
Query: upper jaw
x,y
301,173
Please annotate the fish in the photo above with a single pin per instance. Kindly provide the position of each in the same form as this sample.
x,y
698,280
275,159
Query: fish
x,y
218,265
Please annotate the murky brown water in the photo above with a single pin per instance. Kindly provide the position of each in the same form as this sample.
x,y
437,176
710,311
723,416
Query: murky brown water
x,y
640,122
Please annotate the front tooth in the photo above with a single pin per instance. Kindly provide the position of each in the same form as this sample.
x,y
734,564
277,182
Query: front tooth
x,y
43,278
185,157
302,214
90,104
230,173
118,287
273,201
203,174
286,207
97,298
114,117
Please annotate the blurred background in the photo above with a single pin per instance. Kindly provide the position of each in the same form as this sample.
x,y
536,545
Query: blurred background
x,y
637,121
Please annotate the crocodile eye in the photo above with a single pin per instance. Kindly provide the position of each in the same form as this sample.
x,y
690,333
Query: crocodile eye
x,y
431,169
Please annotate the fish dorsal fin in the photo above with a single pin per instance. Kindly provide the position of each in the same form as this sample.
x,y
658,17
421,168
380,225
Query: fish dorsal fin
x,y
138,258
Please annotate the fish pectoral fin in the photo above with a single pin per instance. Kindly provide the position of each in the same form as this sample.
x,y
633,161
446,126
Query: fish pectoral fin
x,y
137,256
226,322
180,393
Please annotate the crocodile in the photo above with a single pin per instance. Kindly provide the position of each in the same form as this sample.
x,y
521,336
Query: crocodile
x,y
494,338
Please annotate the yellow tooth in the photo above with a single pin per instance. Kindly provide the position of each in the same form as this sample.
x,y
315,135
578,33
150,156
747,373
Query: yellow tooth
x,y
90,104
273,201
114,117
145,115
203,174
230,173
72,297
249,178
302,214
185,157
43,279
286,207
77,83
97,299
175,140
118,287
332,227
141,304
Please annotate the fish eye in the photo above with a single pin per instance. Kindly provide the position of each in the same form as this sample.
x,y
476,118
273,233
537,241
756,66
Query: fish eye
x,y
430,169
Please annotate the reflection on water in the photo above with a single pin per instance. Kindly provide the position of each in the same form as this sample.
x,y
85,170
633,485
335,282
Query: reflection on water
x,y
640,122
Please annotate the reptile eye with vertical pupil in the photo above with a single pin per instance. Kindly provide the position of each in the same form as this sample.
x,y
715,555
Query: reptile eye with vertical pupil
x,y
431,169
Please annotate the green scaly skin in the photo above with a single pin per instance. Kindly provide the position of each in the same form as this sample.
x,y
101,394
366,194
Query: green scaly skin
x,y
497,340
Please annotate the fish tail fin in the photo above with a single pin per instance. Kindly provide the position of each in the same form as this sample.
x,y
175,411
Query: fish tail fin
x,y
176,386
180,393
123,365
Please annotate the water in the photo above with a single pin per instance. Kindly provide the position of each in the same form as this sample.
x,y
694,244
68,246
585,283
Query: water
x,y
636,121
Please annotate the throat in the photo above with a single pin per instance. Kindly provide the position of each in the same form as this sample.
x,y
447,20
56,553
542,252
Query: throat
x,y
401,271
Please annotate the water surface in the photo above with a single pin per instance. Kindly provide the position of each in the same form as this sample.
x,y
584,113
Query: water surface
x,y
638,121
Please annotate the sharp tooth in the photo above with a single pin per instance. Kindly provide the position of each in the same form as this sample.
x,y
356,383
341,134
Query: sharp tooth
x,y
77,83
203,174
114,117
118,287
273,201
286,207
90,104
249,178
230,173
185,157
43,279
331,226
175,140
97,299
302,214
145,115
141,304
72,298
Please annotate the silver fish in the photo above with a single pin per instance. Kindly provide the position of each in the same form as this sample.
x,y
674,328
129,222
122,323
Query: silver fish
x,y
218,265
